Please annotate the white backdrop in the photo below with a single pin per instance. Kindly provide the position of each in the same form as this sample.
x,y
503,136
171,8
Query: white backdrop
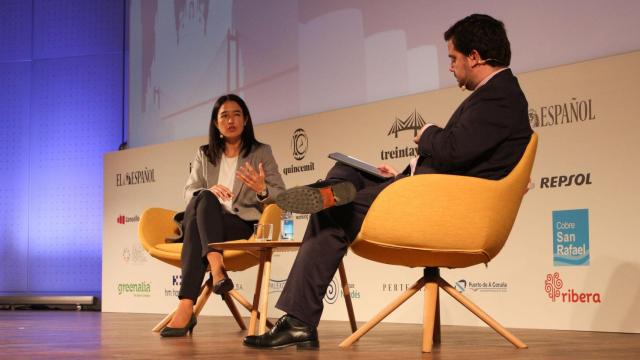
x,y
584,200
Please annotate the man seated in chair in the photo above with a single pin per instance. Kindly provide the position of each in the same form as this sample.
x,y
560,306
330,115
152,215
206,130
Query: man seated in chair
x,y
485,137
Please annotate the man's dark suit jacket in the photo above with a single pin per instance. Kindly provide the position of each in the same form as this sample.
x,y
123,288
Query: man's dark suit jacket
x,y
486,135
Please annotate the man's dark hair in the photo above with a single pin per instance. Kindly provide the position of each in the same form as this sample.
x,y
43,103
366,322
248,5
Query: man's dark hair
x,y
484,34
215,148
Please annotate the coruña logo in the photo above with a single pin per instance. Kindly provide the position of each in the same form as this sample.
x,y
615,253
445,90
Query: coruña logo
x,y
414,122
299,144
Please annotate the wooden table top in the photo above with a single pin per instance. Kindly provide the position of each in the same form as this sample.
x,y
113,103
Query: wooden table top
x,y
254,245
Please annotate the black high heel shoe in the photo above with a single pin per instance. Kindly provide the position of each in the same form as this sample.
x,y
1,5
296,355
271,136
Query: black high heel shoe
x,y
223,286
177,332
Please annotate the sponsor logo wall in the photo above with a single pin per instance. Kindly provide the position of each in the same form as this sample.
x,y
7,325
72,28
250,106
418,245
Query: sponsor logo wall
x,y
580,275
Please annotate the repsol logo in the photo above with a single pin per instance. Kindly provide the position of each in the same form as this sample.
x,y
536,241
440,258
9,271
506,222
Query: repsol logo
x,y
565,181
574,111
136,177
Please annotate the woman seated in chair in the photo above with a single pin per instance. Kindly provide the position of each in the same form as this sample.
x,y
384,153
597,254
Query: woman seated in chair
x,y
232,178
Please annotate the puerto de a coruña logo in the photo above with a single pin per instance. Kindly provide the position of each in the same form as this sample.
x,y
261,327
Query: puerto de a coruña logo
x,y
299,144
413,122
571,237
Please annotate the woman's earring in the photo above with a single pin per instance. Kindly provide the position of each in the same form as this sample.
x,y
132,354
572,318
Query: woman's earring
x,y
221,136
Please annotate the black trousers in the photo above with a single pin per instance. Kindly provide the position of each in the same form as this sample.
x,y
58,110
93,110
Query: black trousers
x,y
205,222
328,236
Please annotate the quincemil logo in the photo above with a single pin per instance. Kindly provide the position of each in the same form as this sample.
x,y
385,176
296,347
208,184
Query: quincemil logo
x,y
574,111
334,291
299,146
565,180
481,286
126,219
413,122
571,237
136,177
139,289
553,286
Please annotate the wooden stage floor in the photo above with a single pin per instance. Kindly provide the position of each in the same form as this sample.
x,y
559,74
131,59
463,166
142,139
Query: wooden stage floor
x,y
92,335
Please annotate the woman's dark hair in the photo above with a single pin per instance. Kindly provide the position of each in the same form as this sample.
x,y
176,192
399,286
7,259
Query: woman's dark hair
x,y
215,148
484,34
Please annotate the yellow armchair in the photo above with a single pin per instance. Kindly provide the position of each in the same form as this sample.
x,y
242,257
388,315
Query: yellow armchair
x,y
156,225
435,221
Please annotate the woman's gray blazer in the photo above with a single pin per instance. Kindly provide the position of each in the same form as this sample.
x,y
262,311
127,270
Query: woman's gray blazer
x,y
246,204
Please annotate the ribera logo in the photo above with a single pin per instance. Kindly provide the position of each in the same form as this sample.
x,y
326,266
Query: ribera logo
x,y
571,112
136,177
299,146
580,179
413,122
127,219
481,286
571,237
553,286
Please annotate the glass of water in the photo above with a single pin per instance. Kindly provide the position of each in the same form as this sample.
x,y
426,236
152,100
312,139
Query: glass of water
x,y
263,232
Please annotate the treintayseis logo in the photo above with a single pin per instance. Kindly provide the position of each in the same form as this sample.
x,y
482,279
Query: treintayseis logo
x,y
571,237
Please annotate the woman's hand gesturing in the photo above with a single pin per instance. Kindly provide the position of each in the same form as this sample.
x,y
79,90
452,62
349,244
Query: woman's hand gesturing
x,y
252,178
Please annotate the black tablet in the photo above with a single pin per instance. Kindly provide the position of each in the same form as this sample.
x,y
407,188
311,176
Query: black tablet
x,y
358,164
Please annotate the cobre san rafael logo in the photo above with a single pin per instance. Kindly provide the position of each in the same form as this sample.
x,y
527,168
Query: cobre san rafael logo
x,y
571,237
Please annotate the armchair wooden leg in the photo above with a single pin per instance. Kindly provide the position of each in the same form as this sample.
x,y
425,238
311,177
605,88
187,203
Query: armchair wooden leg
x,y
159,326
383,313
256,299
429,315
234,311
481,314
264,305
437,337
246,304
347,296
205,292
